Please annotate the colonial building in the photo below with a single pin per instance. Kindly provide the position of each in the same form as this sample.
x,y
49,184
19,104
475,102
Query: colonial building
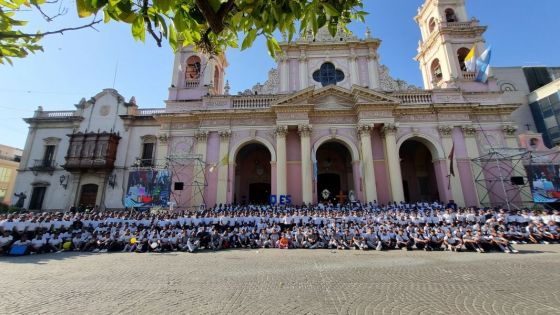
x,y
330,123
9,162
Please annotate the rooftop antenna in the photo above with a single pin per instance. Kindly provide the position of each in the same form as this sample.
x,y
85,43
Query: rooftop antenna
x,y
115,76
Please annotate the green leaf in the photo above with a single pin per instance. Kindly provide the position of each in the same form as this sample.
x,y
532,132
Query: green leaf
x,y
172,36
84,9
249,39
138,28
330,9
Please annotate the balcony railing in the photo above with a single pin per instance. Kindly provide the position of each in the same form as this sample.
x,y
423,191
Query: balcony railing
x,y
470,76
253,101
43,166
56,114
150,111
415,97
192,83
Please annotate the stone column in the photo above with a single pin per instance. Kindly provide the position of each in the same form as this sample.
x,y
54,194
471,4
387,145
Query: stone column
x,y
373,71
366,152
199,169
281,132
446,133
306,182
221,196
393,162
352,62
303,73
518,167
469,133
284,73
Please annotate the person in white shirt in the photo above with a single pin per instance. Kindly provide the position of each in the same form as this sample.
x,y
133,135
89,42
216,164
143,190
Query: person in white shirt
x,y
37,245
5,242
452,243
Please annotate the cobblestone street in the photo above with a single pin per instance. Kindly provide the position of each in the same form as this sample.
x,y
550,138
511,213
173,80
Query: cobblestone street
x,y
293,281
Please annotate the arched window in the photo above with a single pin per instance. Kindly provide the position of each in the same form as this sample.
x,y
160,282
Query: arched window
x,y
217,80
328,74
436,70
461,55
193,68
432,25
450,16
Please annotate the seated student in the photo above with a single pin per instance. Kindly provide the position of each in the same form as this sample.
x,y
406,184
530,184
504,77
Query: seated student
x,y
533,233
264,240
234,240
358,241
452,243
37,245
253,239
298,239
193,243
311,241
385,241
23,241
371,239
471,242
216,241
550,232
78,242
5,242
499,241
344,241
484,240
403,241
434,242
283,242
54,243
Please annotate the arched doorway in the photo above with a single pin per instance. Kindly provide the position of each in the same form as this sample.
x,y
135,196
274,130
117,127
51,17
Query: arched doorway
x,y
418,172
252,174
88,195
334,172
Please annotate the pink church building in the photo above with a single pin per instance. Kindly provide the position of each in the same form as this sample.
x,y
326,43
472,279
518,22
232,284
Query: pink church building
x,y
330,123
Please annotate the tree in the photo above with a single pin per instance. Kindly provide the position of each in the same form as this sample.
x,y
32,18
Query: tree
x,y
210,25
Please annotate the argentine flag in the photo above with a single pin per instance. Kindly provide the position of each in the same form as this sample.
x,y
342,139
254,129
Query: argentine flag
x,y
483,65
470,60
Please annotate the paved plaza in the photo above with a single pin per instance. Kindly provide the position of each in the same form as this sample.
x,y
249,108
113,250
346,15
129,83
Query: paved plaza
x,y
289,282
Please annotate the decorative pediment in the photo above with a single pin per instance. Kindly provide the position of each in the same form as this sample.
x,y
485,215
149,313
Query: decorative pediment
x,y
336,97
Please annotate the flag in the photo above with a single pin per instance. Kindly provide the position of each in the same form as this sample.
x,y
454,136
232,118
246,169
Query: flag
x,y
470,60
483,65
451,157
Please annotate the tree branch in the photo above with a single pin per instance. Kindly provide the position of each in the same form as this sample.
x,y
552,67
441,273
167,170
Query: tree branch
x,y
4,35
46,16
149,23
215,19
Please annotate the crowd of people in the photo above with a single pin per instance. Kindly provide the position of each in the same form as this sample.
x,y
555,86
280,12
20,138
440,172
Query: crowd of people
x,y
419,226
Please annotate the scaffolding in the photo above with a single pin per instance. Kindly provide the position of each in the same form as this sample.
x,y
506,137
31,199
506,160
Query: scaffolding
x,y
188,169
495,173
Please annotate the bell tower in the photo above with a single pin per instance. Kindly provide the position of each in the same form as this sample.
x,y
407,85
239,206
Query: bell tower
x,y
447,38
196,75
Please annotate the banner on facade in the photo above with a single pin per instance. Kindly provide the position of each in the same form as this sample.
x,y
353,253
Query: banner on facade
x,y
148,188
545,182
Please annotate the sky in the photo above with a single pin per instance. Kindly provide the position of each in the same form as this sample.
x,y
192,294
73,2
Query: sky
x,y
82,63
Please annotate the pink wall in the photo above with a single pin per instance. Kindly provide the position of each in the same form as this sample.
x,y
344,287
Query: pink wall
x,y
381,174
294,75
363,72
440,168
293,171
464,168
293,168
212,152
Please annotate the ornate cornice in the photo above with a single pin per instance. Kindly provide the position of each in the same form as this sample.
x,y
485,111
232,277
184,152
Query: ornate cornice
x,y
389,129
445,131
469,130
281,131
201,135
364,130
509,130
224,134
305,130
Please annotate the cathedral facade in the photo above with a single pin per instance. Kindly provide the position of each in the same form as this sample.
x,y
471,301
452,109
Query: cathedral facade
x,y
329,124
